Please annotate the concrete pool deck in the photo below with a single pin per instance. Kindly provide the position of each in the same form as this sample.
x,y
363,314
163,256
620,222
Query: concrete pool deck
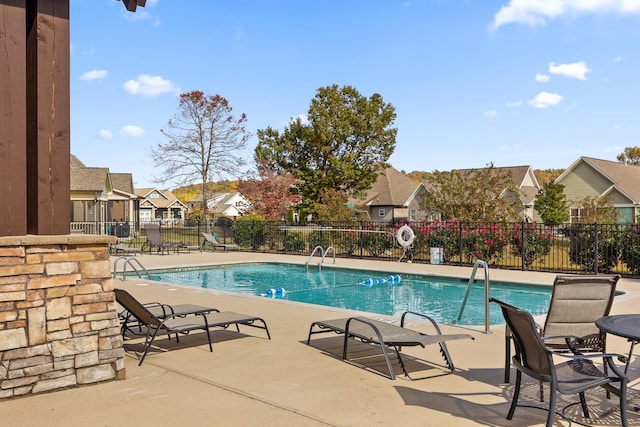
x,y
250,380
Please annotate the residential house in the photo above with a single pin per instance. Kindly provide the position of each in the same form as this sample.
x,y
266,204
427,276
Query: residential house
x,y
616,182
99,197
230,205
392,197
525,181
160,205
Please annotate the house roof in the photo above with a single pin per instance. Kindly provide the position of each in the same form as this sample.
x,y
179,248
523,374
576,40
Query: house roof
x,y
123,182
167,200
623,177
76,163
89,179
392,188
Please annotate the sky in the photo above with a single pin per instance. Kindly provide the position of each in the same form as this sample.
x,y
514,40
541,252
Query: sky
x,y
473,82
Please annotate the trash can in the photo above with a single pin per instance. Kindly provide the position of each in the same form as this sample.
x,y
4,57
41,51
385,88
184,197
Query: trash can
x,y
436,256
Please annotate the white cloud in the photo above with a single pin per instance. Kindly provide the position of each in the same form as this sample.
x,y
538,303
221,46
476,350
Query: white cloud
x,y
537,12
147,85
94,75
490,113
577,70
132,130
546,99
542,78
618,59
514,104
105,134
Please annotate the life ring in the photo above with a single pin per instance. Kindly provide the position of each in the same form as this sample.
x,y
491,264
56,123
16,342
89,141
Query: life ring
x,y
405,236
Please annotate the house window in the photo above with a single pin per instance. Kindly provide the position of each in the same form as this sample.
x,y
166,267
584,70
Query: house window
x,y
575,214
413,214
154,196
381,212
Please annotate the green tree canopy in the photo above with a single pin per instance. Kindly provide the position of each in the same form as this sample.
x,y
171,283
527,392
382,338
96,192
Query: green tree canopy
x,y
551,204
630,156
341,147
486,194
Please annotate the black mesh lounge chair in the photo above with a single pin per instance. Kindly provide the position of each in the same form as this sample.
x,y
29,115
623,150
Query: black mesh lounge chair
x,y
577,301
122,249
386,335
211,240
574,376
179,319
154,240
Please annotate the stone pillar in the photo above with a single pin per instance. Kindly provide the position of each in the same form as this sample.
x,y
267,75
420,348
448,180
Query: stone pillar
x,y
58,319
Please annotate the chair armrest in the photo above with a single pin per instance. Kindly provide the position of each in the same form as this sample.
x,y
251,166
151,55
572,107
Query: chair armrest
x,y
424,316
570,340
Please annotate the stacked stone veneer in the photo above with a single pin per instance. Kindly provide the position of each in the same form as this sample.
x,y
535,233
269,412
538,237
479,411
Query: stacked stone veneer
x,y
58,320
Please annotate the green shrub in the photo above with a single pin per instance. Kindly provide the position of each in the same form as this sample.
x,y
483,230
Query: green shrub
x,y
248,231
294,242
531,242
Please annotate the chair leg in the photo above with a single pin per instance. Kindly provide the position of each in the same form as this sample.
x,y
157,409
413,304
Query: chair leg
x,y
507,358
552,405
516,394
583,403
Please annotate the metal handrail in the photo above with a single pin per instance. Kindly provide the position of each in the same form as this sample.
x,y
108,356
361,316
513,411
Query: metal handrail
x,y
131,262
330,248
486,292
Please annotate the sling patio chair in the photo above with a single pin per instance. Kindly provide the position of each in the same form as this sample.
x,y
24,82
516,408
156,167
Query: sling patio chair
x,y
575,376
386,335
210,239
577,301
154,318
154,240
122,249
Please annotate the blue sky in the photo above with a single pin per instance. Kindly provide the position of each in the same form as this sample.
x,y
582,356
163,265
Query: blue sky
x,y
520,82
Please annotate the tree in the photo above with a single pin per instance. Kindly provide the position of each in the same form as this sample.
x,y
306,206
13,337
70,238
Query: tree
x,y
269,192
334,207
346,139
630,156
551,204
204,138
485,194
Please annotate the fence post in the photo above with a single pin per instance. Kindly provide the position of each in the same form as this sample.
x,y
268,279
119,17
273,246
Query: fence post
x,y
460,242
595,250
522,251
361,242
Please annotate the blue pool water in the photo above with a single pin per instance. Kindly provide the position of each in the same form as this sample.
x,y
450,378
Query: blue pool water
x,y
369,291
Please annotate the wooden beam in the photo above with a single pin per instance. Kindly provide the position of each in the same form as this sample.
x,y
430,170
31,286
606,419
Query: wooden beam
x,y
132,4
13,127
48,117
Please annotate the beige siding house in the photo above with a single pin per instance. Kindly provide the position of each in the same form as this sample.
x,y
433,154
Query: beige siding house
x,y
160,205
99,197
393,197
616,182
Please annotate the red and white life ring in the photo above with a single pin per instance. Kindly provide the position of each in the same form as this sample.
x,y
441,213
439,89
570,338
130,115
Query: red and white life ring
x,y
405,236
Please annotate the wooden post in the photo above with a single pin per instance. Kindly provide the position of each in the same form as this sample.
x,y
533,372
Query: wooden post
x,y
13,125
48,117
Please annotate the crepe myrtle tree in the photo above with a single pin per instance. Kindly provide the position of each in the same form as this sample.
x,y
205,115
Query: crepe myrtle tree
x,y
204,141
342,145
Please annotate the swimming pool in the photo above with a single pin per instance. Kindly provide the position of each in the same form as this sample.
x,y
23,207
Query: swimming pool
x,y
376,292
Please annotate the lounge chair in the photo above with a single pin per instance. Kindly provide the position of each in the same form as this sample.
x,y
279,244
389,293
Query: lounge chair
x,y
210,239
154,240
577,301
179,319
122,249
385,335
575,376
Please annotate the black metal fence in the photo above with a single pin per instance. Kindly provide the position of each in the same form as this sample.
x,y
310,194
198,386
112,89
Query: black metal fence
x,y
566,248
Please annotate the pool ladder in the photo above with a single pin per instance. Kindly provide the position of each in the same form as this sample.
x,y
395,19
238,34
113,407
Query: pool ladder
x,y
323,253
129,261
485,267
